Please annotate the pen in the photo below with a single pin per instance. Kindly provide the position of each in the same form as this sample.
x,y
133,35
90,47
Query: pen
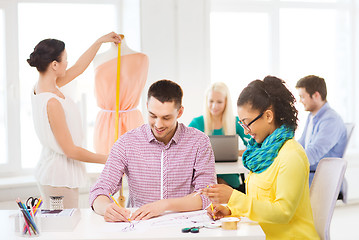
x,y
129,219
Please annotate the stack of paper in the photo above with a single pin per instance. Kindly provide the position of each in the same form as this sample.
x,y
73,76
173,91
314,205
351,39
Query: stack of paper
x,y
59,220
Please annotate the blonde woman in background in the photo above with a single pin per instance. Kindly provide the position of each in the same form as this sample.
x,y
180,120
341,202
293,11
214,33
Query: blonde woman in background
x,y
218,119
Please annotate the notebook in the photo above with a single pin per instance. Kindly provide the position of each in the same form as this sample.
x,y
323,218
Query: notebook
x,y
225,147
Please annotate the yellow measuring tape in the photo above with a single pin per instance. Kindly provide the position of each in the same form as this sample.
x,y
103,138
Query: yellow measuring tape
x,y
121,198
230,223
118,90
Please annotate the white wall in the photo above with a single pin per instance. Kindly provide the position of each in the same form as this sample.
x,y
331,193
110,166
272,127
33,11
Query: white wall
x,y
174,34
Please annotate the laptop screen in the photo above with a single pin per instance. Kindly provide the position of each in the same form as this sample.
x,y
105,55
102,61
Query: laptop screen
x,y
225,147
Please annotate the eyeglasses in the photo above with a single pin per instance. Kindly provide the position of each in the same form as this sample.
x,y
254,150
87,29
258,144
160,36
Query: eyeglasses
x,y
246,126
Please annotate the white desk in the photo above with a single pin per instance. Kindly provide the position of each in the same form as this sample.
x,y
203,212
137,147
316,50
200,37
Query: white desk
x,y
91,226
231,167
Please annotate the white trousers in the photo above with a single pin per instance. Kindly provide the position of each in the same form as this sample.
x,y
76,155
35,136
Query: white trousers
x,y
70,200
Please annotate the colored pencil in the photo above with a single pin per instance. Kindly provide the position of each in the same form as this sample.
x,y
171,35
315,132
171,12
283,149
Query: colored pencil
x,y
35,210
31,220
26,228
38,205
28,218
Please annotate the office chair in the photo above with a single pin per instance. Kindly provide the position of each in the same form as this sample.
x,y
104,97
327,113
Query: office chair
x,y
350,129
330,172
343,194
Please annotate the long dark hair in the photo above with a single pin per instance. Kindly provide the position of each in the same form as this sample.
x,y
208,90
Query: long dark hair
x,y
45,52
271,92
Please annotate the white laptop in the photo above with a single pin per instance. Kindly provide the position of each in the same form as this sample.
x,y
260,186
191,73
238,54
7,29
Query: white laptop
x,y
225,147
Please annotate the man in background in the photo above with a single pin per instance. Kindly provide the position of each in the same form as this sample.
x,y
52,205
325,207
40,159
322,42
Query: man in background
x,y
324,134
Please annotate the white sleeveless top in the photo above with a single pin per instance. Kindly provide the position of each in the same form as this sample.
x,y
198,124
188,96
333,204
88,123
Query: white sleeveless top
x,y
54,167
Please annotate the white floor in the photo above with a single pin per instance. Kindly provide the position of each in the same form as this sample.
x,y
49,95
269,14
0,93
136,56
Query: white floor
x,y
345,222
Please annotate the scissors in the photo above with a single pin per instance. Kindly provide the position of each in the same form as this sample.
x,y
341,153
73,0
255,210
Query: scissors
x,y
31,202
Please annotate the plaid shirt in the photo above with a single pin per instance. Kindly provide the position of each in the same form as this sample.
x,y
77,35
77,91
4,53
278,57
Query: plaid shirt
x,y
187,164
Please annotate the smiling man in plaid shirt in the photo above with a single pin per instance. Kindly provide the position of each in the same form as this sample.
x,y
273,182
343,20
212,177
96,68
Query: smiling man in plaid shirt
x,y
165,162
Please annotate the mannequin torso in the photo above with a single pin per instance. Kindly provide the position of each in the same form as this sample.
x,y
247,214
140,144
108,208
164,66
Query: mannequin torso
x,y
133,76
112,53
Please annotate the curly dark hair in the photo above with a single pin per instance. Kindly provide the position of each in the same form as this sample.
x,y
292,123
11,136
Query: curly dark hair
x,y
271,92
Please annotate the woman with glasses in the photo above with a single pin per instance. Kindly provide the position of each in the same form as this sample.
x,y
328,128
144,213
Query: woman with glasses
x,y
277,186
218,119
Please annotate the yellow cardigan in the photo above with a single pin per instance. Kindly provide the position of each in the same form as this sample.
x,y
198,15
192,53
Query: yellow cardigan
x,y
278,198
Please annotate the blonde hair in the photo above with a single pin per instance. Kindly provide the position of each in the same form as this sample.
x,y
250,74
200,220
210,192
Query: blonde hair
x,y
228,119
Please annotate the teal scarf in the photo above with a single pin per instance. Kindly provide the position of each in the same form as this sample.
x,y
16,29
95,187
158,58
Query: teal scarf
x,y
259,156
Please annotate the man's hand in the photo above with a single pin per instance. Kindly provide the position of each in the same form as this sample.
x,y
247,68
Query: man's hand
x,y
219,211
218,193
114,213
150,210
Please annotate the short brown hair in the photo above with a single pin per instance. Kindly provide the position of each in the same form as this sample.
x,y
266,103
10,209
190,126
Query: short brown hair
x,y
313,84
166,91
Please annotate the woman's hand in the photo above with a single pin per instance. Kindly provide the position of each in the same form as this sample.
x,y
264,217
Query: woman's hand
x,y
218,193
110,37
85,59
219,211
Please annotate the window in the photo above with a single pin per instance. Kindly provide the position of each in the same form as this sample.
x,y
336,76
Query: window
x,y
82,22
288,39
97,20
3,135
239,51
317,44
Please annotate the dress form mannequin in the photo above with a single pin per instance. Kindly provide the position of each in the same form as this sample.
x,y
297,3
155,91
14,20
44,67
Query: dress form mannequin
x,y
133,76
112,53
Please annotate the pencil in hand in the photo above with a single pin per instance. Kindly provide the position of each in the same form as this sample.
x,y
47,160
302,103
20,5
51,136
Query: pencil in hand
x,y
115,200
129,219
214,217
